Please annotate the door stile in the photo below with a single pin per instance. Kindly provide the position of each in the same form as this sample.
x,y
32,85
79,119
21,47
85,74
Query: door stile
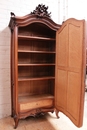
x,y
16,71
83,72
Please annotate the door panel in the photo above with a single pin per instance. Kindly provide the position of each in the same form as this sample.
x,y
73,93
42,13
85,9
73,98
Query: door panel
x,y
70,66
62,83
62,45
75,46
73,94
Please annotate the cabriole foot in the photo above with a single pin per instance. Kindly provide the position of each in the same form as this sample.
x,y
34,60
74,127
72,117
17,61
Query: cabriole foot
x,y
56,112
16,121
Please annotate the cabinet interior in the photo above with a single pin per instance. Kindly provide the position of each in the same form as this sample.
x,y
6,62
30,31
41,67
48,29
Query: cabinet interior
x,y
36,62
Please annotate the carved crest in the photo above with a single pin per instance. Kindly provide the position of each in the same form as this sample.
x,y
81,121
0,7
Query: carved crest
x,y
41,11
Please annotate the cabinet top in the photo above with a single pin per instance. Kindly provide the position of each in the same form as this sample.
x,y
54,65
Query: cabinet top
x,y
39,15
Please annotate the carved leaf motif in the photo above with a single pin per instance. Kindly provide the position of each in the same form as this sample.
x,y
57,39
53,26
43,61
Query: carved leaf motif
x,y
12,21
41,11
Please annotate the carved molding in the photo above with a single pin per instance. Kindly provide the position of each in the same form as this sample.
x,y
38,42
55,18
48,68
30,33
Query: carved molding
x,y
12,22
35,112
41,11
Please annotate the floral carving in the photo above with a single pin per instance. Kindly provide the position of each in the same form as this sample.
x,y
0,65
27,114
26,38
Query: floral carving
x,y
41,11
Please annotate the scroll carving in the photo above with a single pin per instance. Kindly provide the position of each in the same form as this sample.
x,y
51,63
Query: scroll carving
x,y
12,22
41,11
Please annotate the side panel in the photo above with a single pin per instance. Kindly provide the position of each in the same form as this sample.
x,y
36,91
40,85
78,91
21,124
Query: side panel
x,y
70,70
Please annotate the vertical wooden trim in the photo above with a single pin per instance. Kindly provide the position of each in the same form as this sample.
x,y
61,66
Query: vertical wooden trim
x,y
12,74
16,70
11,70
83,72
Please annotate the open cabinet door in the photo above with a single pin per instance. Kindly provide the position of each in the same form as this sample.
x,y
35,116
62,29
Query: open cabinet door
x,y
70,70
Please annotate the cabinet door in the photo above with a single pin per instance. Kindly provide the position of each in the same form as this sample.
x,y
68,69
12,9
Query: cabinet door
x,y
70,70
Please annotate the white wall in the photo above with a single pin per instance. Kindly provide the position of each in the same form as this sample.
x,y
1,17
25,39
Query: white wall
x,y
20,8
77,9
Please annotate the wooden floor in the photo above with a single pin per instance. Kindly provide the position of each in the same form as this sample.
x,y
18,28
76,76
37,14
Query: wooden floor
x,y
46,122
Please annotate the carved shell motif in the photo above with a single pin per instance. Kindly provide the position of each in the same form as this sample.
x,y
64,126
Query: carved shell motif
x,y
41,11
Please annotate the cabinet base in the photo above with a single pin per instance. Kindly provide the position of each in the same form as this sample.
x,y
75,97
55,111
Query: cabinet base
x,y
34,113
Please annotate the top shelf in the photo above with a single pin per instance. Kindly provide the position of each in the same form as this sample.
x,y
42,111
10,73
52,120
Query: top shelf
x,y
35,38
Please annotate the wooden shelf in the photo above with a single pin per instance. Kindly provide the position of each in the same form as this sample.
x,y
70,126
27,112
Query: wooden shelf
x,y
46,64
35,38
27,51
30,98
37,78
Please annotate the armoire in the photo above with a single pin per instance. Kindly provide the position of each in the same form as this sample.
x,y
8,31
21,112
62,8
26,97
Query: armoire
x,y
47,66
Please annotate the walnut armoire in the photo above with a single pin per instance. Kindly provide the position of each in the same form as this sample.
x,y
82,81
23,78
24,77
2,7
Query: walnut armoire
x,y
47,66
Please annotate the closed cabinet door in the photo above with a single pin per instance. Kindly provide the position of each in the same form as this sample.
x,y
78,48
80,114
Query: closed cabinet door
x,y
70,70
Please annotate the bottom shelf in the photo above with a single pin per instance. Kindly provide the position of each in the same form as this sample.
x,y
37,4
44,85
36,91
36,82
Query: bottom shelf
x,y
35,101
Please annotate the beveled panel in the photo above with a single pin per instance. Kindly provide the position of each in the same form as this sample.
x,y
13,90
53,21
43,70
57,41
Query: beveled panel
x,y
62,47
61,88
74,89
75,46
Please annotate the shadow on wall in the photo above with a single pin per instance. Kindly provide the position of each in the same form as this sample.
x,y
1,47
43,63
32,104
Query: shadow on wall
x,y
5,94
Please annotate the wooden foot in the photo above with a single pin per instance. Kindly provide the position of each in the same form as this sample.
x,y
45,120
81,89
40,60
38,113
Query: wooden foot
x,y
16,121
52,111
56,112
